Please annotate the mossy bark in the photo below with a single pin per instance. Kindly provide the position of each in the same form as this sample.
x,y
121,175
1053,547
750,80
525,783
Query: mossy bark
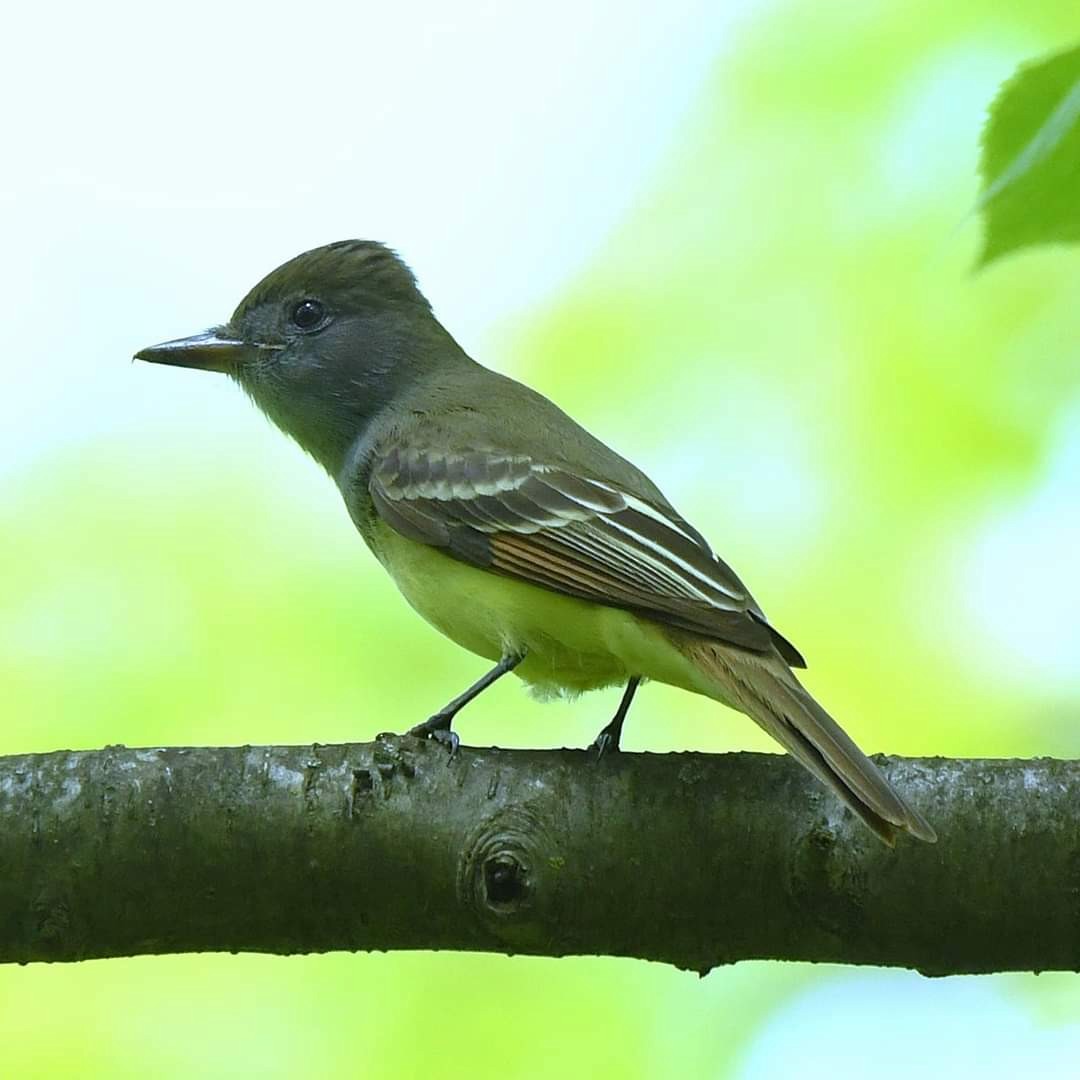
x,y
690,859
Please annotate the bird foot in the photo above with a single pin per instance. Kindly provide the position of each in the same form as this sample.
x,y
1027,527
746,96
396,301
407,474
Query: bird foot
x,y
607,742
437,727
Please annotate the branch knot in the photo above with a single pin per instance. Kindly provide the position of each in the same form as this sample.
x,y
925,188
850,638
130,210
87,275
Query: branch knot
x,y
507,872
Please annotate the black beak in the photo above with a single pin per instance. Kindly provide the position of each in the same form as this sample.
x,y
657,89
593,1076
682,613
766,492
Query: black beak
x,y
210,351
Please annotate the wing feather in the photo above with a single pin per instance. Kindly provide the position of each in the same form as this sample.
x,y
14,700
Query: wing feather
x,y
569,533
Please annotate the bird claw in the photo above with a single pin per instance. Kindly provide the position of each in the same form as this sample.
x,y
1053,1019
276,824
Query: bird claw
x,y
438,728
605,743
449,739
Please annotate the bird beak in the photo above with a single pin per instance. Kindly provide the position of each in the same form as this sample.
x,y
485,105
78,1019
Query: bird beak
x,y
211,350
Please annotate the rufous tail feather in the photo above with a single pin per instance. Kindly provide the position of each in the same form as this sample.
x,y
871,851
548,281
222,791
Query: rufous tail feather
x,y
765,688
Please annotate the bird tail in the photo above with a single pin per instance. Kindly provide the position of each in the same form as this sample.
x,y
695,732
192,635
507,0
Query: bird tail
x,y
765,688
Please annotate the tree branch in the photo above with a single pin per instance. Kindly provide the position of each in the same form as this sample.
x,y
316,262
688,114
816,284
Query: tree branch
x,y
691,859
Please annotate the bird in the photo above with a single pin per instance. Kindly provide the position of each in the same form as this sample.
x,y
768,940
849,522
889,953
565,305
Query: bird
x,y
505,524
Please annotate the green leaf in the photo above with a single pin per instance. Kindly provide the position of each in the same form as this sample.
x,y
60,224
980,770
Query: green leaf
x,y
1031,159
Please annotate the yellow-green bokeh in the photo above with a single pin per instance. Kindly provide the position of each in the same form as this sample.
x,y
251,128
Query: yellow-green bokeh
x,y
786,333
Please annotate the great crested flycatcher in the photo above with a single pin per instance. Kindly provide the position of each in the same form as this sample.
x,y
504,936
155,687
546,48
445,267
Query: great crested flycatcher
x,y
503,522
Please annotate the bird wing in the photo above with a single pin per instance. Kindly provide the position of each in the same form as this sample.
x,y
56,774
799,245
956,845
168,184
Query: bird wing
x,y
576,535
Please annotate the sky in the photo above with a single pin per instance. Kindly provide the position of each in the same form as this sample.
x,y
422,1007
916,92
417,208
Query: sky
x,y
162,172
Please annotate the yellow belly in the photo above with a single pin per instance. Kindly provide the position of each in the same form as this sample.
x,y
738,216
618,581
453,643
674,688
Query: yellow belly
x,y
570,645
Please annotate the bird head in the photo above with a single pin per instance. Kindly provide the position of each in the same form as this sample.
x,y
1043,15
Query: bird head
x,y
322,342
300,310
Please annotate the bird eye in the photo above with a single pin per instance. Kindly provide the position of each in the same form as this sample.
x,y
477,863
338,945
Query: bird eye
x,y
307,314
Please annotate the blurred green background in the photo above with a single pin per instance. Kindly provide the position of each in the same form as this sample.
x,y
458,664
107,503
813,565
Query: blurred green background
x,y
736,242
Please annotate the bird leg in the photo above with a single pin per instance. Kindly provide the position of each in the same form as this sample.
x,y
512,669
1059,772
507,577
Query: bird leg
x,y
607,742
437,726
